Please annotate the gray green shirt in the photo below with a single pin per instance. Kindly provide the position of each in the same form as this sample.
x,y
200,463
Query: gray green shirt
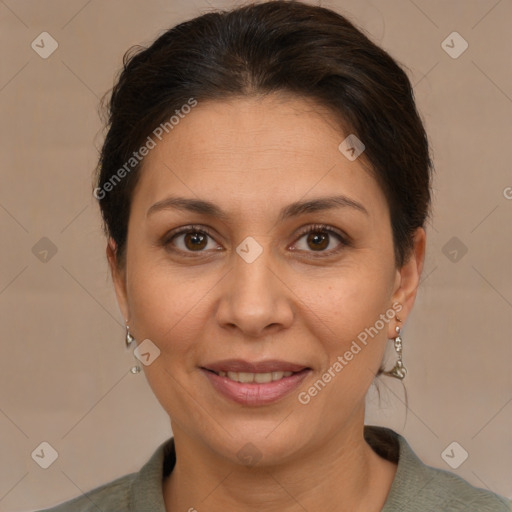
x,y
416,486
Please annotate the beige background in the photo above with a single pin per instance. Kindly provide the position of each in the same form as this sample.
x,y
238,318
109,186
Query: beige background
x,y
64,370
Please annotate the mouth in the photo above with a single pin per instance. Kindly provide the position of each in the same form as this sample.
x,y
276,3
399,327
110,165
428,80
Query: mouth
x,y
248,377
255,383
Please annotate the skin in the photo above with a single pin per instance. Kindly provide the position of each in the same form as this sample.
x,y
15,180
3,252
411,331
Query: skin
x,y
251,157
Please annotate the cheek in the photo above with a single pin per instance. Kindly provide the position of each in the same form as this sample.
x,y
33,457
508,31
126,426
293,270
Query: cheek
x,y
353,338
354,299
349,330
167,305
172,305
168,309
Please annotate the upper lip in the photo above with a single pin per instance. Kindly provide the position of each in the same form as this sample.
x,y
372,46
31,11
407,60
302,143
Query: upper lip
x,y
239,365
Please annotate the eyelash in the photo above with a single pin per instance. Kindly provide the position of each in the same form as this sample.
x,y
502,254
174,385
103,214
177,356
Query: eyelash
x,y
344,241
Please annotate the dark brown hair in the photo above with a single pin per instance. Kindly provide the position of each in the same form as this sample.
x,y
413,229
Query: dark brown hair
x,y
257,49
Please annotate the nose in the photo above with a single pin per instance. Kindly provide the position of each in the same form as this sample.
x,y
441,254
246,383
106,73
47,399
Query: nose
x,y
254,296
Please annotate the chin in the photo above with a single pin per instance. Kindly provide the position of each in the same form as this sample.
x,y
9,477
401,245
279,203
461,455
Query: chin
x,y
257,442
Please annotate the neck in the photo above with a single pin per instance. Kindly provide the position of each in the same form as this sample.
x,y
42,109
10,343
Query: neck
x,y
342,475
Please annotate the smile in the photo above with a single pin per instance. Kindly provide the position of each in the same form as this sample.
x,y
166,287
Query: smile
x,y
260,378
252,388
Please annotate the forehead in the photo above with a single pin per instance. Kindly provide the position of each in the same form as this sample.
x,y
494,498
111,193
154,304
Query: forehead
x,y
252,152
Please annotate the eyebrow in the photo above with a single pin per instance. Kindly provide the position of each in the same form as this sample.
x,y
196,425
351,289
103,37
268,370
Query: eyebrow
x,y
292,210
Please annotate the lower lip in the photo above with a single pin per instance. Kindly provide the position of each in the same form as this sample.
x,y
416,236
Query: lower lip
x,y
252,393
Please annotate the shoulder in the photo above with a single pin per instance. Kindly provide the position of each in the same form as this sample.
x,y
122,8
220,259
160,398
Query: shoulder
x,y
418,487
453,493
130,493
110,496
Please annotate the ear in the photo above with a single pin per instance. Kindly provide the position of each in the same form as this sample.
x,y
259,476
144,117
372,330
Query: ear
x,y
408,278
118,277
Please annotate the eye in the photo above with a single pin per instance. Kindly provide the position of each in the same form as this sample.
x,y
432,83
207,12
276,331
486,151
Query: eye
x,y
319,237
193,239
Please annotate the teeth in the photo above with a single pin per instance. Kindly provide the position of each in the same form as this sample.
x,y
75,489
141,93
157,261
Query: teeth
x,y
243,377
260,378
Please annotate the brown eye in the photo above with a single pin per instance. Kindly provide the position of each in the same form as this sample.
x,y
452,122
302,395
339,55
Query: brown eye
x,y
319,237
189,240
318,240
192,239
195,240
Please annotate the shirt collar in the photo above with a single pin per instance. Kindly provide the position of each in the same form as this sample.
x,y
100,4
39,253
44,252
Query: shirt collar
x,y
146,493
412,475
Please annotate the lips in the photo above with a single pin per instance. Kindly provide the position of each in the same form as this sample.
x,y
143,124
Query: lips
x,y
239,365
255,383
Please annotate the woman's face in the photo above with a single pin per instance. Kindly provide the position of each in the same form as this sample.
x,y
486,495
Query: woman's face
x,y
253,285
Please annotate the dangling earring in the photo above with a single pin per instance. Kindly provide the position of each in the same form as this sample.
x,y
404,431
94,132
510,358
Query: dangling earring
x,y
399,370
129,339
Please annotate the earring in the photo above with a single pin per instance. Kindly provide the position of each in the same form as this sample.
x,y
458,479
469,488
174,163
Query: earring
x,y
129,339
399,370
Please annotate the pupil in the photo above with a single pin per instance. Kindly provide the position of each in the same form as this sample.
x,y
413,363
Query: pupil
x,y
197,239
322,237
318,239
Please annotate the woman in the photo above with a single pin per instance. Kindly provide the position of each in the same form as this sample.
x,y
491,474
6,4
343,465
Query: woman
x,y
265,183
